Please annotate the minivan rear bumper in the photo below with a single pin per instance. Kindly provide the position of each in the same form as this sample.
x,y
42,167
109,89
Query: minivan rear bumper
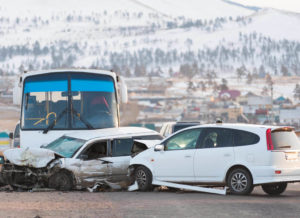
x,y
264,175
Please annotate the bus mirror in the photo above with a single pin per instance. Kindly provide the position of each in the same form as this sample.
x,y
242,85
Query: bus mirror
x,y
123,90
11,135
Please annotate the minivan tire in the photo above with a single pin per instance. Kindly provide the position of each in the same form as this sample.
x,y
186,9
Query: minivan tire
x,y
143,177
240,182
274,189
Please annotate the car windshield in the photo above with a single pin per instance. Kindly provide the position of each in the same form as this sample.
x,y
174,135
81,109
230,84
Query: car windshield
x,y
66,146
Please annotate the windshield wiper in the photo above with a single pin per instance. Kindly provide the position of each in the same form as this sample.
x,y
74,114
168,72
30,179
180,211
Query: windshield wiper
x,y
88,125
52,124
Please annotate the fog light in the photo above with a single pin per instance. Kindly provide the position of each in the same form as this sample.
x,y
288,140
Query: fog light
x,y
277,171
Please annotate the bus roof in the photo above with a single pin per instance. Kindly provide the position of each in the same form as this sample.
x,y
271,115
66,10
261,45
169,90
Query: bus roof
x,y
105,72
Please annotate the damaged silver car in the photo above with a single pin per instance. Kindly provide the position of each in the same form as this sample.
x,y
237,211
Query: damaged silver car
x,y
77,161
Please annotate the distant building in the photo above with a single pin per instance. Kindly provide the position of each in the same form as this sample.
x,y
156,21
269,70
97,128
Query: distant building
x,y
256,104
290,116
229,94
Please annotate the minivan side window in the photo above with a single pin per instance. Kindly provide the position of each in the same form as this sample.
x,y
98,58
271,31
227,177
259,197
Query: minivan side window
x,y
122,147
244,138
183,140
216,138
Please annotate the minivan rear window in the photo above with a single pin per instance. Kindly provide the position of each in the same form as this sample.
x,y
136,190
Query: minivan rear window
x,y
285,140
244,138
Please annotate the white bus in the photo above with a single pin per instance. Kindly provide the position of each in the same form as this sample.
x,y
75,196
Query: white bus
x,y
55,102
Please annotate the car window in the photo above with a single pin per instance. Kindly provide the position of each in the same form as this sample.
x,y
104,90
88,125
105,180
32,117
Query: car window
x,y
216,138
183,140
96,150
149,137
286,140
17,131
244,138
122,147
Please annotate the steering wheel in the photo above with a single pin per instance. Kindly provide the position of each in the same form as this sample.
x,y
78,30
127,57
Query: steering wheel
x,y
172,145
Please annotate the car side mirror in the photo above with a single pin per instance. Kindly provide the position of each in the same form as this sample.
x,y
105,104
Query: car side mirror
x,y
11,135
159,147
1,160
83,157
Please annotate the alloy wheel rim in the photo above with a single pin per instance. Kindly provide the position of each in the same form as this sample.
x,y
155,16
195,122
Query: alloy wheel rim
x,y
141,177
239,182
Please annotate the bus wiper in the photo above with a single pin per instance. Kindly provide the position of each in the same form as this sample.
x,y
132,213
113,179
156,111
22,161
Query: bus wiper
x,y
88,125
52,124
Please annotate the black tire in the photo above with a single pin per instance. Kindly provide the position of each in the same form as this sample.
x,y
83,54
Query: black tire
x,y
62,180
274,189
240,182
143,177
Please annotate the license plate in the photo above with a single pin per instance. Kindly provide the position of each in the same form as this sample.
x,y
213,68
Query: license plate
x,y
291,155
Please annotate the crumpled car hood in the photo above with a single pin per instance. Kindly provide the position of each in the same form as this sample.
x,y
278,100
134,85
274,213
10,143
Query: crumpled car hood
x,y
31,157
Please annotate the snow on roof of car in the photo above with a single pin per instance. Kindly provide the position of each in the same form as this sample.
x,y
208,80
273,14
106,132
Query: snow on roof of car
x,y
111,133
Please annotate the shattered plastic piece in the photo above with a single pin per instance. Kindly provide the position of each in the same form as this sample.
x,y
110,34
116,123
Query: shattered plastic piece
x,y
32,157
191,187
133,187
94,188
6,188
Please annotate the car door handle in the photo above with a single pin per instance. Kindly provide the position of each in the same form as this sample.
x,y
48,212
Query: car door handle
x,y
187,156
227,155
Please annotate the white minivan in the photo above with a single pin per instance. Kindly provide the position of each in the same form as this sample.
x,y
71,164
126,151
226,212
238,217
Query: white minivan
x,y
239,156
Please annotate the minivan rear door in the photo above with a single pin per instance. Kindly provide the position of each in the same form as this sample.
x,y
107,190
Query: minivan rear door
x,y
285,146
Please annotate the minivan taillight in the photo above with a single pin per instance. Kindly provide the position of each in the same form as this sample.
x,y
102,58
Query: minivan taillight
x,y
269,140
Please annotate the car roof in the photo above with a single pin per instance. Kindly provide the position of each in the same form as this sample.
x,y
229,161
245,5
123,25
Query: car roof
x,y
238,125
111,133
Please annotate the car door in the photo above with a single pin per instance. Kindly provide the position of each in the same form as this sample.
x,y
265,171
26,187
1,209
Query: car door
x,y
120,158
175,162
92,165
214,154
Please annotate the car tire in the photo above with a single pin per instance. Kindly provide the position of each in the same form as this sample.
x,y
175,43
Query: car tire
x,y
240,182
62,180
274,189
143,177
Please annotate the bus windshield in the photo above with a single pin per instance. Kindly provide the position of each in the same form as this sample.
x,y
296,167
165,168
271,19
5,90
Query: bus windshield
x,y
65,101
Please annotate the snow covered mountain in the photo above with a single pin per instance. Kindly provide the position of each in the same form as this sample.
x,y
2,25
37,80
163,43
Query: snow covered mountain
x,y
148,36
199,9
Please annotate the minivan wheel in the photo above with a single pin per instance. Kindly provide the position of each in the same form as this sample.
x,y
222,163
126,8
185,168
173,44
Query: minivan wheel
x,y
143,177
274,189
240,182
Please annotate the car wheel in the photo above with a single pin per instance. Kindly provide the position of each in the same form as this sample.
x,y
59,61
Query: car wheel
x,y
240,182
61,180
143,177
274,189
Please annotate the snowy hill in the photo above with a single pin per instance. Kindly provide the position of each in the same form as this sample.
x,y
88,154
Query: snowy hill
x,y
200,9
138,37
